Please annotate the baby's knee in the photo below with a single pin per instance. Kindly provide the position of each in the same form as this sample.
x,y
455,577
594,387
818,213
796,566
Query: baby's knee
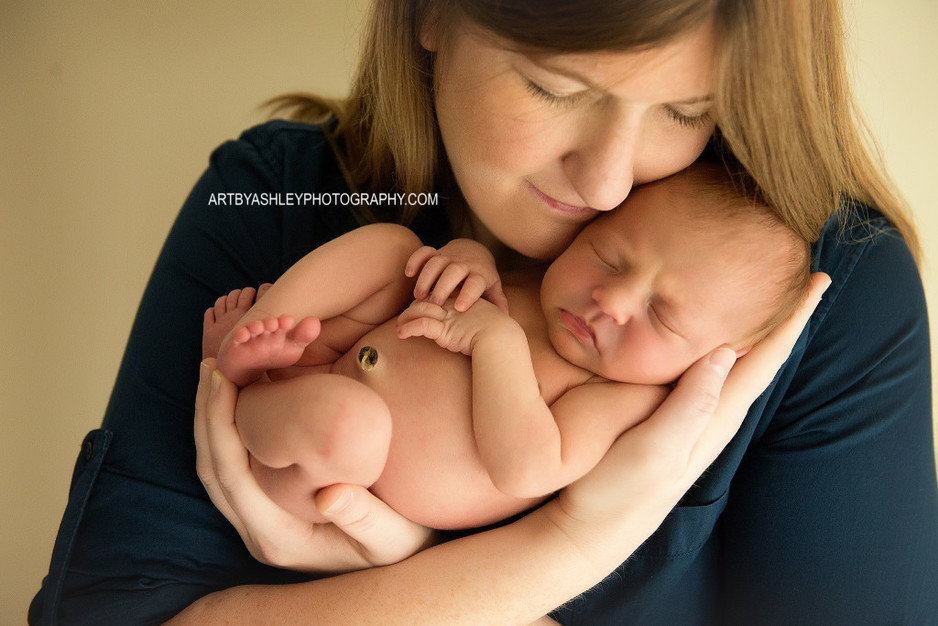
x,y
350,433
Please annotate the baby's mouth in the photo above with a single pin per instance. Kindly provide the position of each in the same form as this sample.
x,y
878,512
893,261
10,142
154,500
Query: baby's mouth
x,y
578,326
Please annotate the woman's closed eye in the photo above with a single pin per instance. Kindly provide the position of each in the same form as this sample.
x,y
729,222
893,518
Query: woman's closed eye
x,y
553,98
688,120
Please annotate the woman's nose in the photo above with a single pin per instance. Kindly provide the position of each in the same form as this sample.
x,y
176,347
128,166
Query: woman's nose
x,y
600,166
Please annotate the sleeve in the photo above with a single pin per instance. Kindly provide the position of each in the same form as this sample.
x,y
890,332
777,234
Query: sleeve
x,y
140,539
833,513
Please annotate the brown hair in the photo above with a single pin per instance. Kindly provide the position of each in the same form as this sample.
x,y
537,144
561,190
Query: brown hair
x,y
785,111
728,197
783,105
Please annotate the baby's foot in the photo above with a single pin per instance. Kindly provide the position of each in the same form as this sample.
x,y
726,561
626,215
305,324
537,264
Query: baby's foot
x,y
224,315
265,344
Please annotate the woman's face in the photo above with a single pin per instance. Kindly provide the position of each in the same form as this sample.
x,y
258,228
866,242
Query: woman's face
x,y
540,145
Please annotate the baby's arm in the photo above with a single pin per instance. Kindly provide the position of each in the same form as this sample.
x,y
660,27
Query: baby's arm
x,y
530,449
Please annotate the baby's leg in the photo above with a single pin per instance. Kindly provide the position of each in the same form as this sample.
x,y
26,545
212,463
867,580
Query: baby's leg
x,y
308,432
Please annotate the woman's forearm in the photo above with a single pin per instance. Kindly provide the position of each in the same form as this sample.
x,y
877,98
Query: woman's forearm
x,y
513,574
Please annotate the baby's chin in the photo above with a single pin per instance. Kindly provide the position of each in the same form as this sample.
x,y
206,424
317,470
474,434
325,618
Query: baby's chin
x,y
663,378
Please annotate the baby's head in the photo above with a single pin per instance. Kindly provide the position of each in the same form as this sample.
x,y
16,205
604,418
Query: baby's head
x,y
686,264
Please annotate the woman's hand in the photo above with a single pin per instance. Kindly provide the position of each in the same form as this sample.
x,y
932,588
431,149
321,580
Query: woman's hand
x,y
365,532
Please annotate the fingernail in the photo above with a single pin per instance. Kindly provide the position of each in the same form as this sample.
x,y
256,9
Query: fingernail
x,y
723,359
216,380
345,497
204,372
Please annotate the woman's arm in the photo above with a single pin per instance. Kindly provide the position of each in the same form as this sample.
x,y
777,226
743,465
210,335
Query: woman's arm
x,y
556,552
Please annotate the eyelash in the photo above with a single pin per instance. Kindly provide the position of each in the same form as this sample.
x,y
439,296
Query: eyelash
x,y
610,266
688,121
657,318
660,322
547,96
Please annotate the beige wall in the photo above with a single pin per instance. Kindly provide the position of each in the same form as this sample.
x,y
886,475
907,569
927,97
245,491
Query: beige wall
x,y
107,115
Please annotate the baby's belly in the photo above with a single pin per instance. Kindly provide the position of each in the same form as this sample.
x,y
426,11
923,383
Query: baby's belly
x,y
434,475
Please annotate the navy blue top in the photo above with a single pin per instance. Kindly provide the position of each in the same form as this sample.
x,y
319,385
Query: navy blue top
x,y
823,509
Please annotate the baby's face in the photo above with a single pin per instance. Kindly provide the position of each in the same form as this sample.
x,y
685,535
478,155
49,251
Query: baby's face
x,y
645,291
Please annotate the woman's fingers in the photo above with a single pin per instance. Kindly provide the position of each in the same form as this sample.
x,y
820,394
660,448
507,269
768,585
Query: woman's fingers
x,y
205,462
650,466
271,534
383,535
754,372
376,534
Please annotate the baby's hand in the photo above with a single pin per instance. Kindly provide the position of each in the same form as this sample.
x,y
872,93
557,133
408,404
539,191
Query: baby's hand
x,y
453,330
460,262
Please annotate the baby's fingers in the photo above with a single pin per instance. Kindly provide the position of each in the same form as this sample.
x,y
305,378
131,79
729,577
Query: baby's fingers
x,y
449,280
418,259
472,289
430,275
420,319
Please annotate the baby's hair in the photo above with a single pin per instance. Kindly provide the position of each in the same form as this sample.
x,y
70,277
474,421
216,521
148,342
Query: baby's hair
x,y
730,198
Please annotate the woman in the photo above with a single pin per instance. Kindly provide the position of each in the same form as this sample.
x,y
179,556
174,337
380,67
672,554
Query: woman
x,y
528,119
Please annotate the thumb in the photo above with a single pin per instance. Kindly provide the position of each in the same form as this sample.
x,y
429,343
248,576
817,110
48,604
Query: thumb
x,y
382,534
686,412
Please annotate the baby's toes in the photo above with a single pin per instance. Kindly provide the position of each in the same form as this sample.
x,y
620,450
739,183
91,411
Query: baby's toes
x,y
262,290
221,306
256,327
245,299
208,319
231,300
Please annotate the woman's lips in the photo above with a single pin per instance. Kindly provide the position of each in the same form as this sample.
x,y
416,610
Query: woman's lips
x,y
578,326
580,213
